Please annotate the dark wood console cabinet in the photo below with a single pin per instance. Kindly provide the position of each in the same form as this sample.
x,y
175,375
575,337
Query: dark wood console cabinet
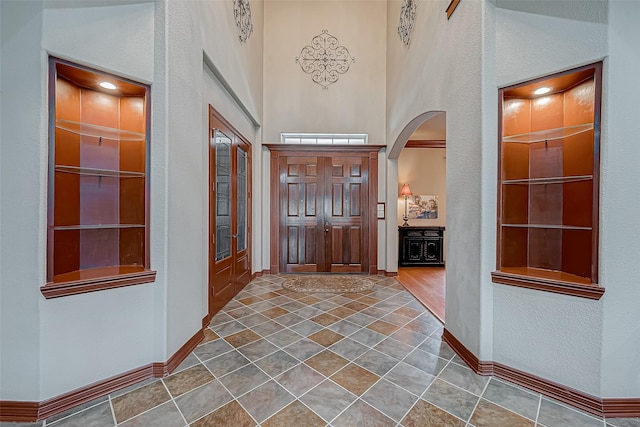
x,y
421,246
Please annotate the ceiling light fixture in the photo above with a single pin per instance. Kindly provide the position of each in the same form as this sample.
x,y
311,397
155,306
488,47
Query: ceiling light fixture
x,y
107,85
542,90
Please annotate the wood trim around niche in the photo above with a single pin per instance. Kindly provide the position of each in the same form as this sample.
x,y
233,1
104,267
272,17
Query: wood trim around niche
x,y
12,411
63,289
566,288
601,407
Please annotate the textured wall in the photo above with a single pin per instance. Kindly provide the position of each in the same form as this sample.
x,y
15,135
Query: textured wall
x,y
50,347
356,102
620,224
441,70
196,29
558,338
123,317
23,157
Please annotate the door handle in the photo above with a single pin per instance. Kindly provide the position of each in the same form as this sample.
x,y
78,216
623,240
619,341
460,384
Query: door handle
x,y
235,236
326,227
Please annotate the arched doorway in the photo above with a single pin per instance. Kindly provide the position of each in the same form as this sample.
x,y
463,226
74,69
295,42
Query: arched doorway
x,y
421,157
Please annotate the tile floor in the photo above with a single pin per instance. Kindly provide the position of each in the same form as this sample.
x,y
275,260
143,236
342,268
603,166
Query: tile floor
x,y
273,357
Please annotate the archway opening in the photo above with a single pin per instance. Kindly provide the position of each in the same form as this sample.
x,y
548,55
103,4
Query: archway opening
x,y
422,214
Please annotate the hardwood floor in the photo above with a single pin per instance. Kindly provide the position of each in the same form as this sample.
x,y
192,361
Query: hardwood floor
x,y
427,284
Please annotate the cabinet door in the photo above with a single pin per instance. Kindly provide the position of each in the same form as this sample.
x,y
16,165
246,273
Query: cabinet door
x,y
432,250
414,249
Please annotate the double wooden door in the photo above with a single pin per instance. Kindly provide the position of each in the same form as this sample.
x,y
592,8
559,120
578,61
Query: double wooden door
x,y
324,211
229,212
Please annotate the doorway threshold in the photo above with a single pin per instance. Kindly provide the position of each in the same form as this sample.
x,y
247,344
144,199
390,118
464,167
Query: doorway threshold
x,y
427,285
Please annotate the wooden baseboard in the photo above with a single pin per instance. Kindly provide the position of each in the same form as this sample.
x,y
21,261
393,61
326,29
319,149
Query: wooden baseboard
x,y
621,408
170,365
35,411
205,322
12,410
478,366
607,407
88,393
387,273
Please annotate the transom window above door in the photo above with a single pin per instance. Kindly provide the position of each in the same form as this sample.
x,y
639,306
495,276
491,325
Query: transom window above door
x,y
324,138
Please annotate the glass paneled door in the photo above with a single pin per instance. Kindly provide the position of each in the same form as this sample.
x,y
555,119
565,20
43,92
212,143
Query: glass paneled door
x,y
229,212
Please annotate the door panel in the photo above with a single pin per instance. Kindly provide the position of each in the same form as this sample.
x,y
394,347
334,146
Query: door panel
x,y
348,221
299,247
221,288
229,212
240,237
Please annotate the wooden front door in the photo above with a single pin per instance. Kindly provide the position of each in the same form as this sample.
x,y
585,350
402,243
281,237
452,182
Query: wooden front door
x,y
229,212
324,211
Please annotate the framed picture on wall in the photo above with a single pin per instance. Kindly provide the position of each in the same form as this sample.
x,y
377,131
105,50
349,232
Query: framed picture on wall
x,y
423,207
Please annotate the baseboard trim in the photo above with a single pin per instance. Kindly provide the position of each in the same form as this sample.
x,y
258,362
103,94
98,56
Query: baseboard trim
x,y
478,366
387,273
35,411
621,408
82,395
205,322
164,369
12,410
601,407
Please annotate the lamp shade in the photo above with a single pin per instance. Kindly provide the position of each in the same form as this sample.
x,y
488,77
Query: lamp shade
x,y
406,191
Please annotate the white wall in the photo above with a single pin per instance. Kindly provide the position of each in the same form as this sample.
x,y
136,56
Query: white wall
x,y
620,224
196,29
58,341
121,318
23,158
556,337
50,347
441,71
356,102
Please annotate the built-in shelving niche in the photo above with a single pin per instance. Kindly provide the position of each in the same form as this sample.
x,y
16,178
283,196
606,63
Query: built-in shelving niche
x,y
98,182
548,183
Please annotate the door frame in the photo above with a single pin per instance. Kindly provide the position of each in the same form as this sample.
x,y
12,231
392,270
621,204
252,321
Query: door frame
x,y
285,150
238,140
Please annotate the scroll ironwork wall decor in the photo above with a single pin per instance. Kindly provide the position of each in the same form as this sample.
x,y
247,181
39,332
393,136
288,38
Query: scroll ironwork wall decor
x,y
407,19
325,59
242,14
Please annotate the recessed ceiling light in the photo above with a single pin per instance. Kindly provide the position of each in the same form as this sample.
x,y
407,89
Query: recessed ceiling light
x,y
542,90
108,85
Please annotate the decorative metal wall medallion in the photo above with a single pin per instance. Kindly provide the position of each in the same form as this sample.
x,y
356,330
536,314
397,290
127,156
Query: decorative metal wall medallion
x,y
407,19
325,59
242,13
